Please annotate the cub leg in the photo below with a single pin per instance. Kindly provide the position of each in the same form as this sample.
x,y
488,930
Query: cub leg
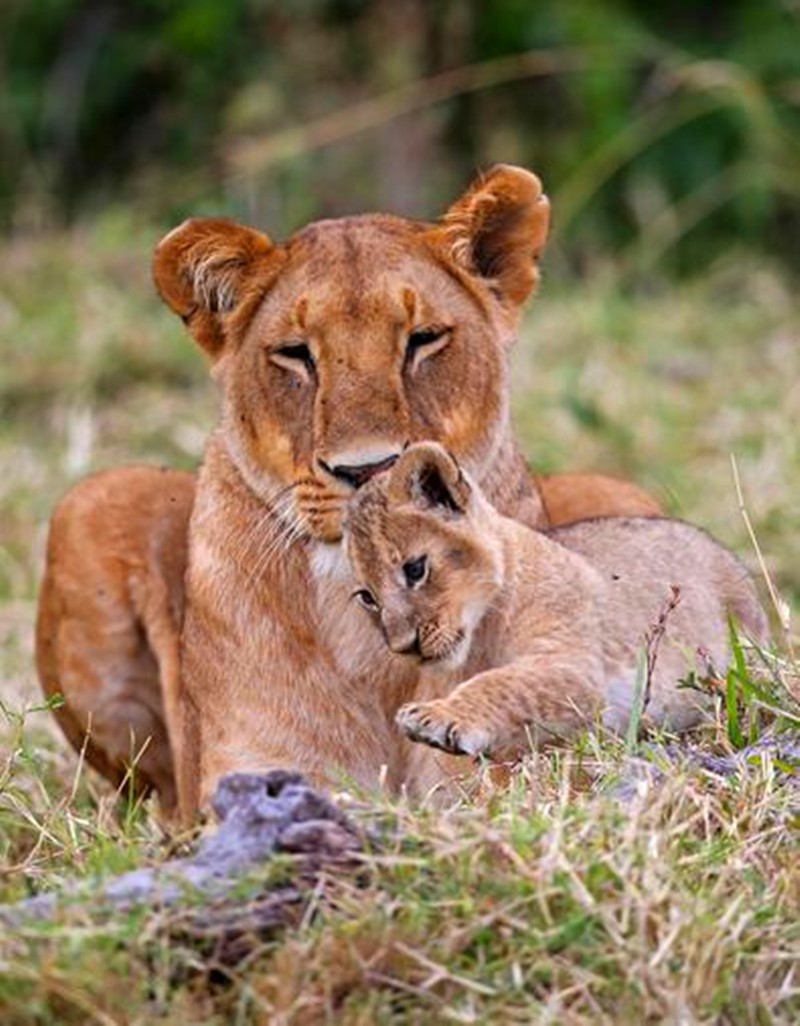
x,y
429,774
532,698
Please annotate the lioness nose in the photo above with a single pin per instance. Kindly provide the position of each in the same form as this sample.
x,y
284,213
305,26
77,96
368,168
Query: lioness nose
x,y
356,475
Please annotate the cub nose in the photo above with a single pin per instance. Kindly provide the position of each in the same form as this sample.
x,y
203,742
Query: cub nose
x,y
355,475
406,644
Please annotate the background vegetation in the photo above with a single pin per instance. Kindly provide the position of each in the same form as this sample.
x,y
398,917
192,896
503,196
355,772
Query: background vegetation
x,y
655,128
665,341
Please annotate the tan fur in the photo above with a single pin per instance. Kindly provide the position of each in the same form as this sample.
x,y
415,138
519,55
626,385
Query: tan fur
x,y
110,610
277,665
524,636
563,496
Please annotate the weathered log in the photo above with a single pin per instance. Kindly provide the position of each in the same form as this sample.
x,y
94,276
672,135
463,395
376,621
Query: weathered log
x,y
260,816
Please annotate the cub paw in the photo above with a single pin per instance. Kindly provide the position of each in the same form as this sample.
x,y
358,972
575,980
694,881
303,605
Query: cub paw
x,y
437,725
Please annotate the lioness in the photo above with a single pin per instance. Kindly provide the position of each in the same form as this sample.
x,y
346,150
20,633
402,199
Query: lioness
x,y
332,351
522,634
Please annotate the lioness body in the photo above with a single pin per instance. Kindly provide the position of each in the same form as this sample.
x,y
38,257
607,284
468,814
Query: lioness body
x,y
333,351
524,635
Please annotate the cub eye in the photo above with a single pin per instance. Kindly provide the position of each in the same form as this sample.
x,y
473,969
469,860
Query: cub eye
x,y
367,599
415,570
424,342
294,356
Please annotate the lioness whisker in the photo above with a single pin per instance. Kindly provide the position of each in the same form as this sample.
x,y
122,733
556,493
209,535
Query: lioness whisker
x,y
290,530
297,528
266,534
270,518
272,544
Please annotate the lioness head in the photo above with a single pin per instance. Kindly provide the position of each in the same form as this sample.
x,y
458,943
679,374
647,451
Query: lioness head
x,y
358,336
426,572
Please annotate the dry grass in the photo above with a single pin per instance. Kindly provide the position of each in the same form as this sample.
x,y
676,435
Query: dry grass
x,y
554,903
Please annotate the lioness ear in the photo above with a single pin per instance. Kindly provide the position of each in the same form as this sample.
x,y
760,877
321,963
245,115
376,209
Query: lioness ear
x,y
498,230
427,475
204,268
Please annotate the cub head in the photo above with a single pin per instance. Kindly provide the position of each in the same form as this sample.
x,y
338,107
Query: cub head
x,y
426,567
356,337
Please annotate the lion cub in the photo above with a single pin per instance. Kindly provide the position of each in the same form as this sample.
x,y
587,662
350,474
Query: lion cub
x,y
525,636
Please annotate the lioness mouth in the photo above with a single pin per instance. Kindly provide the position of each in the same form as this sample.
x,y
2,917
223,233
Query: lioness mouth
x,y
358,474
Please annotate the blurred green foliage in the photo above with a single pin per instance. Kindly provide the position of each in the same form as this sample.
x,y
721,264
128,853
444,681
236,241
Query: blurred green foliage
x,y
665,132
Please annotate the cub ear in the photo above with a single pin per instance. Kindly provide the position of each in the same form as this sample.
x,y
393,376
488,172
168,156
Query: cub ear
x,y
498,230
204,269
427,475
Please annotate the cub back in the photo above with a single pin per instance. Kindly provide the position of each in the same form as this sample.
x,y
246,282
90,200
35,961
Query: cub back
x,y
664,549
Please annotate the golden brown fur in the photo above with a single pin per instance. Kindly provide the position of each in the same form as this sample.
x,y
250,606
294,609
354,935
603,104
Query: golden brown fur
x,y
332,351
524,636
110,610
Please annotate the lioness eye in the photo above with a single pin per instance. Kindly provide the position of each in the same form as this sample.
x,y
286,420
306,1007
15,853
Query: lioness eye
x,y
424,342
294,356
415,570
367,599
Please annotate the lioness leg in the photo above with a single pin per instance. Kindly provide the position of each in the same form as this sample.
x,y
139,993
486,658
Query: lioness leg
x,y
108,715
109,619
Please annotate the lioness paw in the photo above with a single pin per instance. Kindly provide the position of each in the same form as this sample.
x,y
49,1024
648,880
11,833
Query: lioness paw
x,y
435,724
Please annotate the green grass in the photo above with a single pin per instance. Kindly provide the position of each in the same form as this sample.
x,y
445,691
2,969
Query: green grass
x,y
554,902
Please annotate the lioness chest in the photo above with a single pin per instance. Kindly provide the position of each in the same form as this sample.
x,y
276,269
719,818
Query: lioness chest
x,y
306,681
360,655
